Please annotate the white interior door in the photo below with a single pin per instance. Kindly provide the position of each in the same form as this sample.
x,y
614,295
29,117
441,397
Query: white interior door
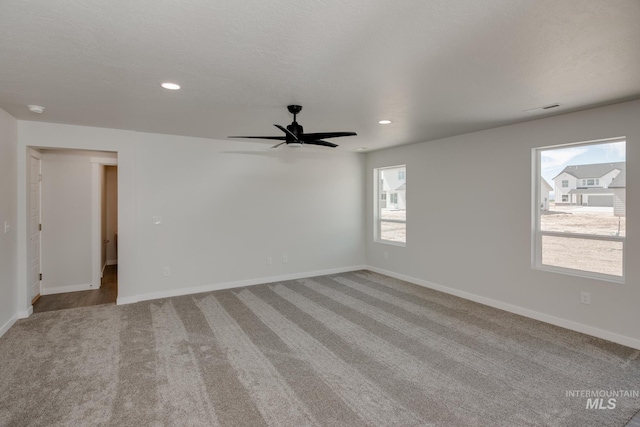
x,y
34,228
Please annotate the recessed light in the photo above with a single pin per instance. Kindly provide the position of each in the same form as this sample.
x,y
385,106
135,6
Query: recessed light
x,y
361,149
170,86
36,109
384,122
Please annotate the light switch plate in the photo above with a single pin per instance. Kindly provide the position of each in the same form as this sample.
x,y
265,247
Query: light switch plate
x,y
157,220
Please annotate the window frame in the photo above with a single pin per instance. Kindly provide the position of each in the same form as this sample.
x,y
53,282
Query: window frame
x,y
377,219
537,234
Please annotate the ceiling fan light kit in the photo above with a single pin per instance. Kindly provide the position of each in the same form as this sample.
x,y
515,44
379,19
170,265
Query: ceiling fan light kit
x,y
294,135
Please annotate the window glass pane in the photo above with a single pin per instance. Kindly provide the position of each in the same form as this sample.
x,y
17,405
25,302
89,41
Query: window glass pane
x,y
596,256
393,231
583,189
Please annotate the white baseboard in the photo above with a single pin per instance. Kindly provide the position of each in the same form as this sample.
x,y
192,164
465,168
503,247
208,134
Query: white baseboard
x,y
4,328
547,318
19,315
24,314
236,284
64,289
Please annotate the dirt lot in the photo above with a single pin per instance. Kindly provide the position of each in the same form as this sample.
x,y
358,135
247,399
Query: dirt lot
x,y
393,231
589,255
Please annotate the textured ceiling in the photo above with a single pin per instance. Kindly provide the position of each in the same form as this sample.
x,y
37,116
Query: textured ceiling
x,y
435,68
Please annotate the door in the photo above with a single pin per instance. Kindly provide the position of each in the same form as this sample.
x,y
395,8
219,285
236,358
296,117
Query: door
x,y
34,228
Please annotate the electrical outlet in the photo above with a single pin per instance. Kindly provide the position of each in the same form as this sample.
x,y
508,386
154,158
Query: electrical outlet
x,y
269,260
386,255
285,258
6,227
166,271
585,297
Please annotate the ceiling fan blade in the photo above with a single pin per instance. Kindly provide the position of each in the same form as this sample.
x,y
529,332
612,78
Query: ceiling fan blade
x,y
323,143
279,138
278,145
287,131
323,135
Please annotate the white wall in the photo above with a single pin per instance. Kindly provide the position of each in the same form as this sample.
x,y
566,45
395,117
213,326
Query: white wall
x,y
475,245
8,210
226,206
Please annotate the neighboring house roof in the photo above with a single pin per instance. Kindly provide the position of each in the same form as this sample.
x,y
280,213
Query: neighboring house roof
x,y
592,171
546,184
604,191
402,187
620,181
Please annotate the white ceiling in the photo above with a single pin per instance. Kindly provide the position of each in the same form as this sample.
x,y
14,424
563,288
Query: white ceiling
x,y
434,67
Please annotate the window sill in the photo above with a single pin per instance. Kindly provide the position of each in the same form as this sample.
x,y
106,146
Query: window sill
x,y
391,242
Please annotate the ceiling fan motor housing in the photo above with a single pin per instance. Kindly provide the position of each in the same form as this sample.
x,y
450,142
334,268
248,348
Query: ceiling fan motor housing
x,y
295,129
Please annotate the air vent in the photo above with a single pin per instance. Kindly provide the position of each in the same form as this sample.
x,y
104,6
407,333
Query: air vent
x,y
543,108
548,107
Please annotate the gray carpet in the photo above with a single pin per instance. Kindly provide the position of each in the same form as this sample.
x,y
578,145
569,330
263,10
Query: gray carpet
x,y
354,349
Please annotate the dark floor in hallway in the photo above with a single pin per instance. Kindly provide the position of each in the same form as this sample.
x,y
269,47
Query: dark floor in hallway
x,y
105,295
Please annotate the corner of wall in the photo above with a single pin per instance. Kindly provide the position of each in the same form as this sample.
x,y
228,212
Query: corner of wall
x,y
8,221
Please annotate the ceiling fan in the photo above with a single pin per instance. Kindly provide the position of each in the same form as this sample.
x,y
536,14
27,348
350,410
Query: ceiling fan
x,y
294,135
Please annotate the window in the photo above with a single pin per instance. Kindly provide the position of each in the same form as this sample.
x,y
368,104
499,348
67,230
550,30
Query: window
x,y
390,213
587,237
565,183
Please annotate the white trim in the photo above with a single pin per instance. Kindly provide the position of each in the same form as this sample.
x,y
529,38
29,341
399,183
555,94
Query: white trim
x,y
583,236
112,262
532,314
96,217
27,313
236,284
4,328
105,161
71,288
392,243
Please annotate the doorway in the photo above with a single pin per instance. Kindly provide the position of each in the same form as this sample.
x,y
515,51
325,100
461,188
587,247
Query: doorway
x,y
80,227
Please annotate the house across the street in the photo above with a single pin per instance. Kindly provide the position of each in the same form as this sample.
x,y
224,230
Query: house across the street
x,y
592,185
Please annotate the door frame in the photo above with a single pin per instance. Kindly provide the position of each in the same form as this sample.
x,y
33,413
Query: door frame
x,y
96,217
